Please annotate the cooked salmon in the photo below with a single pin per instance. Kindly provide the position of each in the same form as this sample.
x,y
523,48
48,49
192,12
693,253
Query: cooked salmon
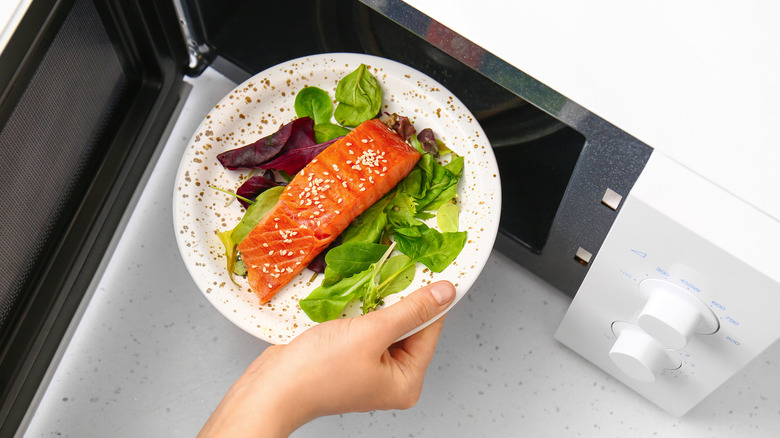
x,y
320,202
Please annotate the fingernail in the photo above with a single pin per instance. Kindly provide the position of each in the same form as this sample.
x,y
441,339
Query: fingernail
x,y
443,292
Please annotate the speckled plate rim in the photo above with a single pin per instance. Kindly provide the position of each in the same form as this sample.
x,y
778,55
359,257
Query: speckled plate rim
x,y
199,211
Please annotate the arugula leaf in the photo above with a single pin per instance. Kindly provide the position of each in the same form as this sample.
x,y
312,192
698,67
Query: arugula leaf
x,y
360,97
396,275
315,103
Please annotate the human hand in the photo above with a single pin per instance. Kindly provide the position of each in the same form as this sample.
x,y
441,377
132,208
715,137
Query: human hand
x,y
340,366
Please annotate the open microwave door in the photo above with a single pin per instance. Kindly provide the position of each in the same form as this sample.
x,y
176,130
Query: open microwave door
x,y
87,88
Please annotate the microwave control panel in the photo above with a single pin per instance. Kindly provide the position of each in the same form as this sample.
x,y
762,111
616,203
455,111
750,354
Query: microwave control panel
x,y
683,292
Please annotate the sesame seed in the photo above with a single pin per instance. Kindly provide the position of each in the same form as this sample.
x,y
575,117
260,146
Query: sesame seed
x,y
270,285
364,140
349,144
266,265
289,269
283,252
271,252
303,252
265,245
337,212
276,219
362,189
339,201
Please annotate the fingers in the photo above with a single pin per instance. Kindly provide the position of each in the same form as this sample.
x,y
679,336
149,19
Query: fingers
x,y
413,311
417,350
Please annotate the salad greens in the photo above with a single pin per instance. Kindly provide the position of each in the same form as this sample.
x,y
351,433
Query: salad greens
x,y
360,97
358,265
315,103
254,213
428,186
327,302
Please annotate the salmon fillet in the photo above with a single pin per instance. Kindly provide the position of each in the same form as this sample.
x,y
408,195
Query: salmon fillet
x,y
321,201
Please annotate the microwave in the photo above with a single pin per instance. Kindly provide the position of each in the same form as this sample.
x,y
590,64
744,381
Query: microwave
x,y
672,278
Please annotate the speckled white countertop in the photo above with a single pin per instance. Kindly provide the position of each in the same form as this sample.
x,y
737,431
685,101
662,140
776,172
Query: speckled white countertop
x,y
151,357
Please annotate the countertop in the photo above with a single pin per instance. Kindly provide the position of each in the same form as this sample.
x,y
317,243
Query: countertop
x,y
151,357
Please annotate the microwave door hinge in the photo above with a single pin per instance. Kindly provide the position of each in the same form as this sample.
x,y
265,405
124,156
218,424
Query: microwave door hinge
x,y
199,52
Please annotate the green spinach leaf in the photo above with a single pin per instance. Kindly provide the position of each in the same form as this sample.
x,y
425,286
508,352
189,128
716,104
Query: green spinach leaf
x,y
368,227
447,217
315,103
328,131
433,249
263,204
360,97
350,258
327,302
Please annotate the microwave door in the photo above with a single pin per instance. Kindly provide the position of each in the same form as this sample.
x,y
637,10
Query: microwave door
x,y
86,92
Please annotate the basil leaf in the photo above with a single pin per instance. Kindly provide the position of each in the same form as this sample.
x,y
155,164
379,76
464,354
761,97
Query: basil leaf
x,y
350,258
360,97
315,103
324,132
447,217
263,204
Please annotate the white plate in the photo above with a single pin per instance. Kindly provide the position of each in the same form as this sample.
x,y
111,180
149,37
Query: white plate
x,y
257,108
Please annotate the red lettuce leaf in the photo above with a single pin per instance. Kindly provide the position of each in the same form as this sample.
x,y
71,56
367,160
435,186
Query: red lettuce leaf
x,y
297,134
400,124
256,185
428,142
295,157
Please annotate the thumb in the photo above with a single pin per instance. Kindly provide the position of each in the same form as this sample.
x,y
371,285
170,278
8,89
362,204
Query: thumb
x,y
413,311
